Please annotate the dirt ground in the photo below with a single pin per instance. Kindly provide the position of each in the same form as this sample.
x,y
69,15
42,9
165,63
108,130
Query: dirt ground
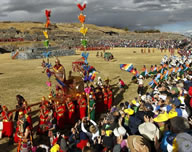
x,y
25,77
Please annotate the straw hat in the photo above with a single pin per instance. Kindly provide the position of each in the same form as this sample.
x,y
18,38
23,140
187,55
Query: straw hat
x,y
183,143
55,148
163,97
149,130
162,117
119,131
136,143
172,114
134,102
108,132
129,111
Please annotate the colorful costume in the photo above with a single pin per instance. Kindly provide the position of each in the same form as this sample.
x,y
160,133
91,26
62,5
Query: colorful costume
x,y
105,99
71,109
60,116
110,99
92,109
7,124
82,107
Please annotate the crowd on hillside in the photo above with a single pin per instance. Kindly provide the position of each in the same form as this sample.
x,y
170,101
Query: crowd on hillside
x,y
165,44
158,120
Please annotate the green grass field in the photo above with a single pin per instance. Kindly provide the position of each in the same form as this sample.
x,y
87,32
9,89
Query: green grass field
x,y
25,77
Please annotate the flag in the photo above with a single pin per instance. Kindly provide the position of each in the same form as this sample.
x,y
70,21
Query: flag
x,y
126,67
85,56
83,30
45,34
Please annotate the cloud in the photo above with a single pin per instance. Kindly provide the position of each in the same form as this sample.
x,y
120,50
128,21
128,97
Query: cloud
x,y
122,13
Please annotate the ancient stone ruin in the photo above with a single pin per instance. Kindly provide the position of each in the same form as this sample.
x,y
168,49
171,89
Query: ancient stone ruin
x,y
38,53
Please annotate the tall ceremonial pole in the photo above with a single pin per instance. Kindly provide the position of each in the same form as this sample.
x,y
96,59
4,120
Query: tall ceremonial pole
x,y
83,30
46,64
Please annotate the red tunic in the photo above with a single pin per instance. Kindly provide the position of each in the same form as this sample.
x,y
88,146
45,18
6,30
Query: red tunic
x,y
110,98
71,109
105,100
82,107
43,121
7,125
60,116
28,117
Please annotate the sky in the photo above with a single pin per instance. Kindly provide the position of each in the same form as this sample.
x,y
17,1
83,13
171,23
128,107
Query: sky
x,y
166,15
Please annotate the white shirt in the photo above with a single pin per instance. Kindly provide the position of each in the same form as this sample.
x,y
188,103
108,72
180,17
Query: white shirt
x,y
90,135
140,81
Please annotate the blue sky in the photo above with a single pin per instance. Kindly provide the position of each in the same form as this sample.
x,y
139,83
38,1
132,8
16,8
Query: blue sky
x,y
179,27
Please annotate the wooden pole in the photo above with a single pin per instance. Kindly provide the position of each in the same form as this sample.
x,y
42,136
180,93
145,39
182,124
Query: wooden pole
x,y
32,105
88,105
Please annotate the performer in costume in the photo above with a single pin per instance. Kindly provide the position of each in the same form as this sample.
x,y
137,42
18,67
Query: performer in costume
x,y
151,70
92,108
23,134
82,106
26,111
6,117
110,98
71,109
60,110
43,126
59,72
105,99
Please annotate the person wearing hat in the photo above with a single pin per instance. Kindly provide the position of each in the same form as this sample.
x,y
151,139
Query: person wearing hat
x,y
43,126
60,112
151,70
71,110
82,106
26,111
174,91
144,73
138,143
110,98
21,119
175,110
108,140
59,73
177,125
161,121
23,134
55,148
182,143
105,99
92,107
128,112
149,131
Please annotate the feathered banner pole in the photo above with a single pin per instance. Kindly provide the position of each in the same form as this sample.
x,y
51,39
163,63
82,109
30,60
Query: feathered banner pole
x,y
46,65
83,30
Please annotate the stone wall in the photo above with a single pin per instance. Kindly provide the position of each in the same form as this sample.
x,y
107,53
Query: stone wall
x,y
30,54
